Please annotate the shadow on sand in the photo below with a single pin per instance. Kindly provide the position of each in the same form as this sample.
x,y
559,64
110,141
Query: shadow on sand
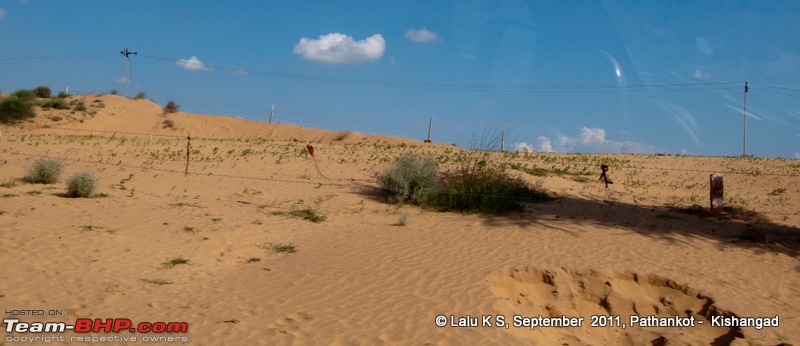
x,y
730,227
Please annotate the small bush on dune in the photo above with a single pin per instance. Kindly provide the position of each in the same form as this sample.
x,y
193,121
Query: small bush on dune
x,y
45,171
14,109
412,178
171,107
82,184
25,95
80,106
140,96
62,94
476,188
168,124
42,92
55,103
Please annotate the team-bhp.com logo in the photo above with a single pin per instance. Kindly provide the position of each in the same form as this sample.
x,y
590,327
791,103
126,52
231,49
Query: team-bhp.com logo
x,y
87,325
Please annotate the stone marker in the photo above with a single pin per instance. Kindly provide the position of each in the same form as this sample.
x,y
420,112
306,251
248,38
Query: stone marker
x,y
717,197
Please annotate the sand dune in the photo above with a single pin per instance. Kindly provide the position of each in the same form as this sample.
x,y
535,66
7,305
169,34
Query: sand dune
x,y
358,277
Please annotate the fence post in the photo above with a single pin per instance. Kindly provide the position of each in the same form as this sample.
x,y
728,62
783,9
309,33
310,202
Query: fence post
x,y
188,151
716,191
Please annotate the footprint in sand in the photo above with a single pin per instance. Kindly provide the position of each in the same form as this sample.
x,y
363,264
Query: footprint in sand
x,y
291,325
533,292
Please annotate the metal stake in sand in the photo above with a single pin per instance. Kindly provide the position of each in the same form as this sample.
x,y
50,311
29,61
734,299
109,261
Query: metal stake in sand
x,y
188,151
717,197
744,138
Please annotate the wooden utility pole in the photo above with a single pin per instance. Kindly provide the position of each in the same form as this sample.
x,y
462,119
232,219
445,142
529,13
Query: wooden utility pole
x,y
430,124
744,138
126,53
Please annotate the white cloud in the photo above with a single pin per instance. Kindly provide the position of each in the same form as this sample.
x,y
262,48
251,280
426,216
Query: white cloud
x,y
522,146
544,144
796,155
193,64
2,13
701,74
592,139
336,48
421,35
122,80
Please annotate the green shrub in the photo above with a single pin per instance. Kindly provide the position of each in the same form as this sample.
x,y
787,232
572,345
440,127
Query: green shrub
x,y
413,178
82,184
476,188
80,106
42,92
14,109
25,95
57,103
140,95
113,91
62,94
45,171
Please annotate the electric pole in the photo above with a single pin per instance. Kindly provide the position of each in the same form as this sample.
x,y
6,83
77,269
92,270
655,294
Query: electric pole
x,y
126,52
270,113
430,124
744,138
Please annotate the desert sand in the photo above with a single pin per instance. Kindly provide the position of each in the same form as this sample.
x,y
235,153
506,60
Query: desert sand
x,y
373,272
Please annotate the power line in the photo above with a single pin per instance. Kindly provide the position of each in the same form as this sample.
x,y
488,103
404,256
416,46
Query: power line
x,y
543,89
48,58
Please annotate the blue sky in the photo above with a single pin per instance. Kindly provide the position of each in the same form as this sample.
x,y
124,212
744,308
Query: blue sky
x,y
565,76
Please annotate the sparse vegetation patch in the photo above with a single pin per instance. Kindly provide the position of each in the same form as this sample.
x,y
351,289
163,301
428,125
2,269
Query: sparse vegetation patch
x,y
45,171
305,214
82,184
158,282
174,262
284,248
412,178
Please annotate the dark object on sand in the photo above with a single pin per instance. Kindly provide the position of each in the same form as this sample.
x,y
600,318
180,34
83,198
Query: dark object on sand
x,y
603,175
